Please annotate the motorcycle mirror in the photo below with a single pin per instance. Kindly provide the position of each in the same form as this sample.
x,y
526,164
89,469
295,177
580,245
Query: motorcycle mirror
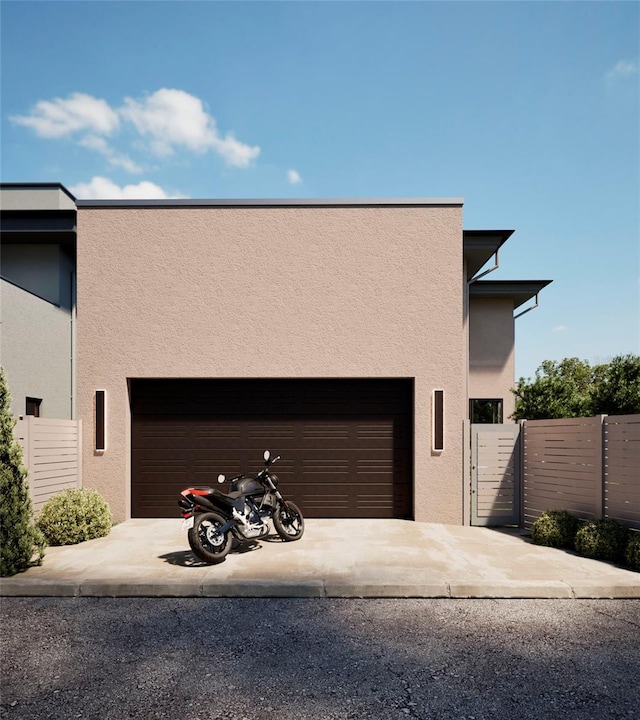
x,y
221,478
266,455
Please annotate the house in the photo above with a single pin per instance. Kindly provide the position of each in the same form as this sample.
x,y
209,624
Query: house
x,y
353,338
37,266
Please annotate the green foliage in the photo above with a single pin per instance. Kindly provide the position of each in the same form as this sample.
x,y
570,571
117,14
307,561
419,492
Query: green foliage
x,y
560,389
20,540
632,553
602,540
555,528
72,516
572,388
618,392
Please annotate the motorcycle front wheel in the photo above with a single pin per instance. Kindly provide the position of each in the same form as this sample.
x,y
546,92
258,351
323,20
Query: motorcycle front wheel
x,y
203,540
288,522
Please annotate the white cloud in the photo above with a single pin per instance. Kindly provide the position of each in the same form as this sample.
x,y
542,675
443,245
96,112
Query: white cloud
x,y
559,328
126,163
101,188
99,144
79,112
172,118
623,68
235,152
166,120
293,176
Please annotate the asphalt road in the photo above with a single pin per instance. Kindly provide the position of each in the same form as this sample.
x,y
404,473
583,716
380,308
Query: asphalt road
x,y
262,659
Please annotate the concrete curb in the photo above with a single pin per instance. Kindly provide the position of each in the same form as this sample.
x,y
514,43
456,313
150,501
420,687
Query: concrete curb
x,y
18,587
336,559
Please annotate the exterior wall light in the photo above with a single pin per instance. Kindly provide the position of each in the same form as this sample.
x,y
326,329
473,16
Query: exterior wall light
x,y
101,420
437,421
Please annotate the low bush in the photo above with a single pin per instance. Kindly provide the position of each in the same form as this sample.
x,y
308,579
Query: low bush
x,y
602,540
72,516
555,528
632,553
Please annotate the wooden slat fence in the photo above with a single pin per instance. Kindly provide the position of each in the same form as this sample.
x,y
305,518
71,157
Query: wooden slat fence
x,y
622,469
588,466
52,455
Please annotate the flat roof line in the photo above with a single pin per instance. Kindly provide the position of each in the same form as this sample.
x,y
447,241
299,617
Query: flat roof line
x,y
273,202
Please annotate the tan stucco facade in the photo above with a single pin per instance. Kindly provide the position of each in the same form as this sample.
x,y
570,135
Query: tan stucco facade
x,y
491,351
287,292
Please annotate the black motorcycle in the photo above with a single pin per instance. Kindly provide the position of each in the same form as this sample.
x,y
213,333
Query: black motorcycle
x,y
213,519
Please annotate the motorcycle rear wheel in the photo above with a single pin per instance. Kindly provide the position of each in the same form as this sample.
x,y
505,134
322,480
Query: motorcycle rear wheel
x,y
288,522
205,544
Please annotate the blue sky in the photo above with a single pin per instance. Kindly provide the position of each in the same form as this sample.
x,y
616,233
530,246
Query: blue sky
x,y
530,111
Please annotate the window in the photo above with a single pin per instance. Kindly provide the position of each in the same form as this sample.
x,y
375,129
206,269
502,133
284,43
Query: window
x,y
485,411
33,406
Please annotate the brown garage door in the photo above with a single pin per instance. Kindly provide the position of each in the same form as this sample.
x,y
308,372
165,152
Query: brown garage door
x,y
346,445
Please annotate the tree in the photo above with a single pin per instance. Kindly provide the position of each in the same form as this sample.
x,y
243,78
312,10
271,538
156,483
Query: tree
x,y
20,539
618,392
560,389
573,388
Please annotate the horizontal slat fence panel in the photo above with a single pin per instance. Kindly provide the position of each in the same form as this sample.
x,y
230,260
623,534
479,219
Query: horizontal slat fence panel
x,y
562,467
588,466
622,469
52,455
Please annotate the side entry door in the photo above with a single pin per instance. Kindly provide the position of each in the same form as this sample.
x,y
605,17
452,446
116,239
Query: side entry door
x,y
495,474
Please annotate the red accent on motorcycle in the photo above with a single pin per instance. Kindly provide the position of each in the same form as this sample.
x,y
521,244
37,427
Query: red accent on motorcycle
x,y
196,491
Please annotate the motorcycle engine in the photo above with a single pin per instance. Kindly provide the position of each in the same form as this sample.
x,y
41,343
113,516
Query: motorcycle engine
x,y
251,532
252,526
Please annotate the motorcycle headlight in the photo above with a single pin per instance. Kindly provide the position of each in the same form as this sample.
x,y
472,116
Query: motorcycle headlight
x,y
274,479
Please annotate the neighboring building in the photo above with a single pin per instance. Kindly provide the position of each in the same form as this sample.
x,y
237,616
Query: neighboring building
x,y
351,337
37,268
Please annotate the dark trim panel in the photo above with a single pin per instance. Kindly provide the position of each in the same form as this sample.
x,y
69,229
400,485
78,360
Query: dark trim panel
x,y
272,202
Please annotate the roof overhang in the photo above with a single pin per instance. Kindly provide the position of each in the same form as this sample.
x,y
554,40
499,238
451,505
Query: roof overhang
x,y
35,196
480,245
518,291
37,214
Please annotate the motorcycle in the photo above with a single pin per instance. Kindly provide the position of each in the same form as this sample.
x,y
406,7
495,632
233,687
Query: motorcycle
x,y
214,519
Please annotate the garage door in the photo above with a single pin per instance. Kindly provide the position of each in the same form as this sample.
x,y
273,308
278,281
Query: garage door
x,y
346,445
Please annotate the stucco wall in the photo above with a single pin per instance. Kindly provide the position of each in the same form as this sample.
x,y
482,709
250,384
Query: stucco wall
x,y
491,351
273,292
35,351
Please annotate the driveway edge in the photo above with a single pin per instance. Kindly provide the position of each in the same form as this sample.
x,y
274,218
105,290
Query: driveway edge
x,y
22,587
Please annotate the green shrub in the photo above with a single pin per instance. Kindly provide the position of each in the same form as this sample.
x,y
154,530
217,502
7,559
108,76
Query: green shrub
x,y
21,543
632,554
602,540
72,516
555,528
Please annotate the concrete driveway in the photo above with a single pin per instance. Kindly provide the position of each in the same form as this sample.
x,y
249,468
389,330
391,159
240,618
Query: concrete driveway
x,y
335,558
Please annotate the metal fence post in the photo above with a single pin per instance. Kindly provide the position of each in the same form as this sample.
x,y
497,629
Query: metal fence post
x,y
523,427
600,475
